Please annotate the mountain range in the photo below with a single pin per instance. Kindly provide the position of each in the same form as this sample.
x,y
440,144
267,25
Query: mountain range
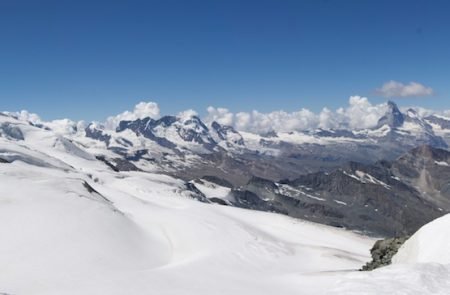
x,y
387,180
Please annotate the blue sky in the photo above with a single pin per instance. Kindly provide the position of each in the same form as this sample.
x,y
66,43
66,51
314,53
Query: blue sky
x,y
91,59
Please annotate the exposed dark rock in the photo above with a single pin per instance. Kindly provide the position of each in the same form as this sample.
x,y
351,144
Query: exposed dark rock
x,y
91,190
165,121
218,201
138,155
97,134
109,164
42,126
118,164
383,251
124,165
124,142
195,193
249,200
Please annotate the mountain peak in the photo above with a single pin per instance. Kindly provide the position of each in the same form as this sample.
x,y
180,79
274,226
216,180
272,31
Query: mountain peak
x,y
393,117
228,134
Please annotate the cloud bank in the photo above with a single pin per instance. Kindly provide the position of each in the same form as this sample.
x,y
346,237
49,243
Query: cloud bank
x,y
25,116
141,111
398,89
359,114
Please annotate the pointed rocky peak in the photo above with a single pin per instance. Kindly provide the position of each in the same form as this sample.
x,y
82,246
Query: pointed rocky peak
x,y
393,117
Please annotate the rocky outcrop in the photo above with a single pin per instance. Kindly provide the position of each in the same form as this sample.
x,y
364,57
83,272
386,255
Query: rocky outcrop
x,y
118,164
383,251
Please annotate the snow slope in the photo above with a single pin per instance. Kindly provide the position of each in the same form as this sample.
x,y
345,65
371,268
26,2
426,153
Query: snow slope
x,y
430,244
421,266
140,234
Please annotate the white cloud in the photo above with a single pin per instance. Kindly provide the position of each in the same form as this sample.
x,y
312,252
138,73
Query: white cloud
x,y
398,89
26,116
359,114
263,122
187,114
141,111
63,126
220,115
